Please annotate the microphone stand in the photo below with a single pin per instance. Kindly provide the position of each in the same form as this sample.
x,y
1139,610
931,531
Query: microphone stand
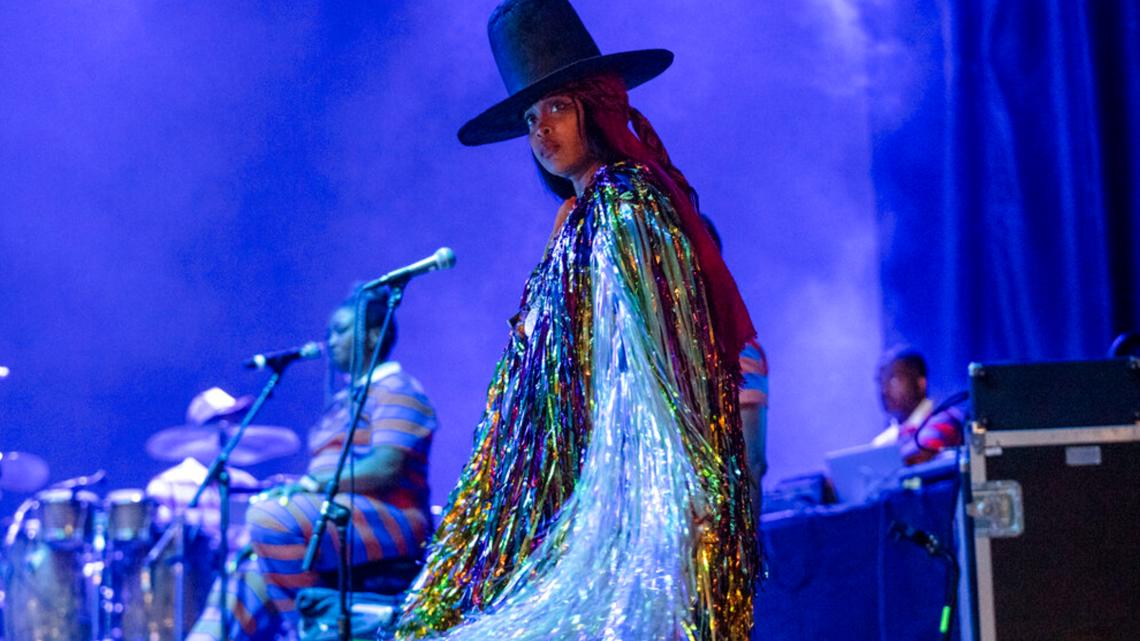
x,y
340,515
218,472
935,549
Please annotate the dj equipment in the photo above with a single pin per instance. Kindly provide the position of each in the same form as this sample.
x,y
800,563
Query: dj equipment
x,y
798,493
861,472
1054,467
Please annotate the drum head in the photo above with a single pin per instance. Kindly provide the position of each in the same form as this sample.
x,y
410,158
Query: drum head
x,y
130,514
63,517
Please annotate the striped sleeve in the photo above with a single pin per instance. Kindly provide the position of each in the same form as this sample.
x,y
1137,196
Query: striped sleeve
x,y
754,368
401,415
941,431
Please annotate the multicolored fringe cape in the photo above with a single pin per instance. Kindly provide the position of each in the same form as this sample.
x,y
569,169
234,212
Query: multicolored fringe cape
x,y
606,496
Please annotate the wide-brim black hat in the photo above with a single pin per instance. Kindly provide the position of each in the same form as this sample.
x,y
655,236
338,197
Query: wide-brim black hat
x,y
540,45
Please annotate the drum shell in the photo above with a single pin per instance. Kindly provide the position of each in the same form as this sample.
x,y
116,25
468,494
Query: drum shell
x,y
49,578
145,594
75,572
49,594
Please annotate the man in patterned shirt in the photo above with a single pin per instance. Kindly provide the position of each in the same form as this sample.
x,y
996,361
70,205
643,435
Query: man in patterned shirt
x,y
385,484
902,390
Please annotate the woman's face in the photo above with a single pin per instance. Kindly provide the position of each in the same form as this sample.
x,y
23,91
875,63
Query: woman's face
x,y
556,138
341,329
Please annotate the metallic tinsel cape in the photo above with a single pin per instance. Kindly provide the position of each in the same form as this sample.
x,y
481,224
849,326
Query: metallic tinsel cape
x,y
605,498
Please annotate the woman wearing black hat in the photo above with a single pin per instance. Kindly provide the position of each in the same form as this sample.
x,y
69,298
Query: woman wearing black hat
x,y
606,497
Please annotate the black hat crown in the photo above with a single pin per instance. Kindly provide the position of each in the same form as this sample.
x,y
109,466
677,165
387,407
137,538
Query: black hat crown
x,y
540,45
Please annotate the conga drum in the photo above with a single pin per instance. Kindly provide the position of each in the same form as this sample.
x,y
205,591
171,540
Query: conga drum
x,y
51,578
151,576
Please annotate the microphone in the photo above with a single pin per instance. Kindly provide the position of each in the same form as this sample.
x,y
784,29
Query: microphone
x,y
443,258
277,360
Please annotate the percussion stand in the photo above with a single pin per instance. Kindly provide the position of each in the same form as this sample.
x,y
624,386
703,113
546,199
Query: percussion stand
x,y
218,473
330,509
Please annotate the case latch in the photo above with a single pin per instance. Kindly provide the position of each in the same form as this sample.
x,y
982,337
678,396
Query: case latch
x,y
997,509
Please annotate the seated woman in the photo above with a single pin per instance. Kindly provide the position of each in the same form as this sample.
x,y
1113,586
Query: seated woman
x,y
391,517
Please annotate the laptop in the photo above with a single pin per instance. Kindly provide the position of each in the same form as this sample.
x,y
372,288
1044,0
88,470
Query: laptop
x,y
859,473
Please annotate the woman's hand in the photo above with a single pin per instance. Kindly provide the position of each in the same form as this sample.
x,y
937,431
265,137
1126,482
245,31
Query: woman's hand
x,y
285,491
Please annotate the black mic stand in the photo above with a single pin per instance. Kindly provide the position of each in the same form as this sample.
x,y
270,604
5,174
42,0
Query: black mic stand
x,y
340,515
218,472
934,548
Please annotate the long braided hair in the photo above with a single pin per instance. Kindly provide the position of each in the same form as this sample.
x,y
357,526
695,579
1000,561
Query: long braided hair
x,y
368,309
615,131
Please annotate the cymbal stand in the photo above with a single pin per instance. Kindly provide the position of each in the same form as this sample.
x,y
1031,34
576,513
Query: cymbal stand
x,y
219,474
330,510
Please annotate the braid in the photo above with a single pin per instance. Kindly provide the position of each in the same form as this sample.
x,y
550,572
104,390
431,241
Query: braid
x,y
648,136
616,131
626,132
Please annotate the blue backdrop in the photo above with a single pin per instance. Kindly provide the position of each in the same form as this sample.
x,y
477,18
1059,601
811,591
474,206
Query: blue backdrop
x,y
182,185
1006,166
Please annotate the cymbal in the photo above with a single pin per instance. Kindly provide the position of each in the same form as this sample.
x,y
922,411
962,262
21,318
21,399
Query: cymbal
x,y
22,472
203,442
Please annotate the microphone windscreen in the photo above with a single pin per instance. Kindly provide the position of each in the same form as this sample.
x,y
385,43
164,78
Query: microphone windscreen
x,y
444,258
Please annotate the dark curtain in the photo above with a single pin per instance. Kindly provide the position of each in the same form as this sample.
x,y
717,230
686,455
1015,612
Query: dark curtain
x,y
1006,164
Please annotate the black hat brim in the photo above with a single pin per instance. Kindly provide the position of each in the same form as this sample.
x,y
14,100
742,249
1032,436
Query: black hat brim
x,y
504,120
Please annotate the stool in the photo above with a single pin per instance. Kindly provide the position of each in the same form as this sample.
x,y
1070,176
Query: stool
x,y
376,594
386,576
